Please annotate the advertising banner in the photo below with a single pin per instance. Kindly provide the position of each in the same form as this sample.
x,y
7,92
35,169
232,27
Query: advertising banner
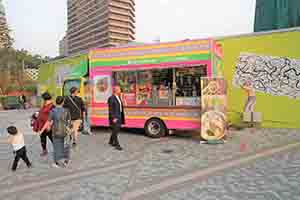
x,y
214,107
62,71
102,88
129,98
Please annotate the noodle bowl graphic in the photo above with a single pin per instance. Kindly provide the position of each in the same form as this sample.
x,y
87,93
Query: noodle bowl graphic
x,y
213,125
212,88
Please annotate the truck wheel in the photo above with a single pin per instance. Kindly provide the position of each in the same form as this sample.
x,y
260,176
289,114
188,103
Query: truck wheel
x,y
155,128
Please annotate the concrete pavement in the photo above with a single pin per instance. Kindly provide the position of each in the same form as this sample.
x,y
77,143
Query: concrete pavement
x,y
100,172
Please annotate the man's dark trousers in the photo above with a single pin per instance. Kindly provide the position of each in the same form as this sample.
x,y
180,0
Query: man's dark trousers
x,y
116,119
114,135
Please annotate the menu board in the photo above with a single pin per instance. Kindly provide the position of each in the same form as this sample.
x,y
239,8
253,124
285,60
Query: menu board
x,y
127,82
144,88
162,76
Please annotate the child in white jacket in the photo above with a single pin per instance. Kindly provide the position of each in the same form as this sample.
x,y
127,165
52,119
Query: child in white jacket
x,y
16,139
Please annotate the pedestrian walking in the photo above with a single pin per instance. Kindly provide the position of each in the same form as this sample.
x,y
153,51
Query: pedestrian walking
x,y
116,117
43,127
16,139
22,100
75,105
60,119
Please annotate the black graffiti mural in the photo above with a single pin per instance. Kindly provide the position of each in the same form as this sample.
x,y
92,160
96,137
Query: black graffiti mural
x,y
279,76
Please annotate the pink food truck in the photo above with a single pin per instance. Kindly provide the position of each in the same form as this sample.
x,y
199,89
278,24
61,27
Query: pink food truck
x,y
160,83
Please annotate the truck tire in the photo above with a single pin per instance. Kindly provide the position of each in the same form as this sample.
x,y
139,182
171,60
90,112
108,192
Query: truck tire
x,y
155,128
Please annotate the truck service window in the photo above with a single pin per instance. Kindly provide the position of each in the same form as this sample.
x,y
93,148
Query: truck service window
x,y
188,86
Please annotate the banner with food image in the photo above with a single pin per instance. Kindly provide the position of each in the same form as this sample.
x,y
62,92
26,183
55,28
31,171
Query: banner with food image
x,y
144,88
129,98
213,108
127,81
102,88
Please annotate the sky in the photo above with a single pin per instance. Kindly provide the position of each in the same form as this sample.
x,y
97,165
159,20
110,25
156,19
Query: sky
x,y
38,25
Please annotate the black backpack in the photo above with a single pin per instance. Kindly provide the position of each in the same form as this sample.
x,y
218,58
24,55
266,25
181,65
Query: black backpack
x,y
62,127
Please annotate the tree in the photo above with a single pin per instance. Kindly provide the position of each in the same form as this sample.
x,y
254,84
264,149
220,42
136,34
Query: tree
x,y
7,64
6,41
13,62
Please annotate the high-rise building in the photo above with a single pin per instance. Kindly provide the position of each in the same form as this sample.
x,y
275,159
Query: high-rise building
x,y
63,46
276,14
4,32
99,23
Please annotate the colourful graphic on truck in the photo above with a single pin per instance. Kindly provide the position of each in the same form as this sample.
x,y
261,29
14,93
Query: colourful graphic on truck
x,y
52,75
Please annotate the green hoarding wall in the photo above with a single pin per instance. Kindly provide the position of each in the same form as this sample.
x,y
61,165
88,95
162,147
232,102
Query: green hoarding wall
x,y
277,111
52,74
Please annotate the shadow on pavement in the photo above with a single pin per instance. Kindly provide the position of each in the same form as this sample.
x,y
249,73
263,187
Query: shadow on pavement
x,y
178,134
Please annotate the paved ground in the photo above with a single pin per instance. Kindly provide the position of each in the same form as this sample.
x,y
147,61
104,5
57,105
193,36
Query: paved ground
x,y
257,164
274,178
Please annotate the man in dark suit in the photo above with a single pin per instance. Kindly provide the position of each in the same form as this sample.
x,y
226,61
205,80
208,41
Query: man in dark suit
x,y
116,116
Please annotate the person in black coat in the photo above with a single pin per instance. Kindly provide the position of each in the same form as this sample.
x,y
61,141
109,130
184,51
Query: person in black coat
x,y
116,116
77,109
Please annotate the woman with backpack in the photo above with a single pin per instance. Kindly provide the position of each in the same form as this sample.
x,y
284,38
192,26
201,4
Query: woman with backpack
x,y
42,126
60,120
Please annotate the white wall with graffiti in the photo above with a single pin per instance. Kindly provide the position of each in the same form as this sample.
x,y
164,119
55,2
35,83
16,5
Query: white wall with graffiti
x,y
278,76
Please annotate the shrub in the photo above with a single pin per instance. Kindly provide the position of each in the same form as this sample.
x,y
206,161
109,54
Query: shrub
x,y
12,88
30,88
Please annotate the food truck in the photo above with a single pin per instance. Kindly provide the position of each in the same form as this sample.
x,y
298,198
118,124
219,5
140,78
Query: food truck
x,y
160,83
52,75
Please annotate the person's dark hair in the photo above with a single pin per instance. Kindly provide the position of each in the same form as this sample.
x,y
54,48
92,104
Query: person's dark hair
x,y
35,115
46,96
115,86
86,83
59,100
73,90
12,130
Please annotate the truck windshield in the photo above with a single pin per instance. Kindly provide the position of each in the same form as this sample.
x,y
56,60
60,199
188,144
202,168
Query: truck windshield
x,y
69,84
